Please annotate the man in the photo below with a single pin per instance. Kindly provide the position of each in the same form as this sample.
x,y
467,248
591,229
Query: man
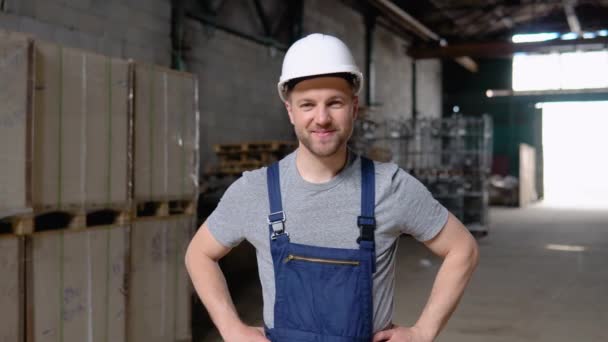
x,y
325,224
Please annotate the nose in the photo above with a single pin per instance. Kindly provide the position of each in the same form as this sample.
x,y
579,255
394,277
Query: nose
x,y
323,116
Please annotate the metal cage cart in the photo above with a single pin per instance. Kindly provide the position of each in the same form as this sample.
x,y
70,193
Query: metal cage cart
x,y
451,156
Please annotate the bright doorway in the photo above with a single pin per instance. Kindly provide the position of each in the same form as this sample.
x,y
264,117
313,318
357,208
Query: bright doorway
x,y
575,147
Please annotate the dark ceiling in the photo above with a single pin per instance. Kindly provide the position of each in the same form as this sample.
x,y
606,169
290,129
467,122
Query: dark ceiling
x,y
470,21
457,21
457,29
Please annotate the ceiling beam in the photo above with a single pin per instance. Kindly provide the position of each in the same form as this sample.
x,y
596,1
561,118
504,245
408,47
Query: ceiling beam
x,y
263,18
503,48
508,92
403,17
211,22
573,22
410,23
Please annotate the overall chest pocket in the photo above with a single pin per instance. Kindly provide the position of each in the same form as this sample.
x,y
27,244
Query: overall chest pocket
x,y
322,295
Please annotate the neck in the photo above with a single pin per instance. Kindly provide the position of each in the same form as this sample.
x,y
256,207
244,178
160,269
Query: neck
x,y
316,169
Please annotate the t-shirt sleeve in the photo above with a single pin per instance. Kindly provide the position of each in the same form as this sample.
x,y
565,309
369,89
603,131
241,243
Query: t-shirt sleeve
x,y
420,215
227,222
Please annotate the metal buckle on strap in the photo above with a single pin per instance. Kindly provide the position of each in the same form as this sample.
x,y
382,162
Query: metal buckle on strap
x,y
366,221
275,219
367,225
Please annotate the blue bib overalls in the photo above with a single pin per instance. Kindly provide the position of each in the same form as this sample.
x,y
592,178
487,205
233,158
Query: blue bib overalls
x,y
322,294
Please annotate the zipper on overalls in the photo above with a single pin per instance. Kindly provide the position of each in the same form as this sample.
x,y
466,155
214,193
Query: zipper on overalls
x,y
291,257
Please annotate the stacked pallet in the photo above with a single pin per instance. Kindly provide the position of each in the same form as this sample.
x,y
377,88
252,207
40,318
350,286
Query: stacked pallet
x,y
165,194
73,229
65,122
160,290
63,125
15,128
166,139
15,89
12,299
234,159
75,284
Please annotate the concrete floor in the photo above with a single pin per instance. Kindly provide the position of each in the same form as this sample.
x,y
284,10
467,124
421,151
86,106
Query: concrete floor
x,y
522,290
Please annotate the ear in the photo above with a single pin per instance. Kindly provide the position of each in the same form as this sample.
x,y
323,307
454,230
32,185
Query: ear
x,y
355,107
289,112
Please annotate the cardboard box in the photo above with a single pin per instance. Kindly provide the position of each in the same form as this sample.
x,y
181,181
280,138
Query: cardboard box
x,y
11,289
76,285
80,129
166,134
159,286
15,123
527,175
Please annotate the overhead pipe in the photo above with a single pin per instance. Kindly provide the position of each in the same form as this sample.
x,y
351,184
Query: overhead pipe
x,y
260,40
414,92
370,23
422,31
177,34
490,93
295,10
260,11
497,49
573,22
410,23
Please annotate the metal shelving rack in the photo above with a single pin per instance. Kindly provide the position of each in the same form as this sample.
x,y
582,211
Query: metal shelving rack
x,y
451,156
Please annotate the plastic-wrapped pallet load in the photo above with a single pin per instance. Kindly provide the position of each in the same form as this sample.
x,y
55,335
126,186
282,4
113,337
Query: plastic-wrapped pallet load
x,y
527,175
159,287
76,285
11,289
166,134
15,120
80,129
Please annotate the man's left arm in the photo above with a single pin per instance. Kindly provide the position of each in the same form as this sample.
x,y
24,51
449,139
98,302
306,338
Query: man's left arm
x,y
460,255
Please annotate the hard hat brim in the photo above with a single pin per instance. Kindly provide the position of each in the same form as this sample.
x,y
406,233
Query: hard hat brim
x,y
357,81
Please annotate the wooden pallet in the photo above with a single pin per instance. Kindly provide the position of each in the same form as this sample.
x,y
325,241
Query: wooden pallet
x,y
240,167
437,173
263,157
45,220
164,208
234,159
264,146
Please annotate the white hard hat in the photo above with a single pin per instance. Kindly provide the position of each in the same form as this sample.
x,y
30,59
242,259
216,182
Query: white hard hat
x,y
318,54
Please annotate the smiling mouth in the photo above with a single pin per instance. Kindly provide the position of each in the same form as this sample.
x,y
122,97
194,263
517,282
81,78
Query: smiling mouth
x,y
323,133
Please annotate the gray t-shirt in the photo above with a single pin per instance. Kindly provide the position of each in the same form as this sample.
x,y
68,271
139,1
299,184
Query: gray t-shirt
x,y
325,215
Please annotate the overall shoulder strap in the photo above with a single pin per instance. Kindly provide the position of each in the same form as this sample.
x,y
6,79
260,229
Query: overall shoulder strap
x,y
367,221
276,218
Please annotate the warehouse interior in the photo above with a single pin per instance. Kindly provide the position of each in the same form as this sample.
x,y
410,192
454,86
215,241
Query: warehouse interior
x,y
123,122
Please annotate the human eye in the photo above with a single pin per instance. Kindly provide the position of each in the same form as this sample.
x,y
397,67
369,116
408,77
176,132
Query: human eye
x,y
306,105
336,103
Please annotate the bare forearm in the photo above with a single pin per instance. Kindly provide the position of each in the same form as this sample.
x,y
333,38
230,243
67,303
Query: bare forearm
x,y
452,278
210,285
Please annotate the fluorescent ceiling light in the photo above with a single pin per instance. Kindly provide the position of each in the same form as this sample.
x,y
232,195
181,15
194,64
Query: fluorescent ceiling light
x,y
565,248
534,37
602,33
589,35
569,36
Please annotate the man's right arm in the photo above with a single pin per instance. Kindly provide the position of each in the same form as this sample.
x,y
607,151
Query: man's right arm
x,y
202,257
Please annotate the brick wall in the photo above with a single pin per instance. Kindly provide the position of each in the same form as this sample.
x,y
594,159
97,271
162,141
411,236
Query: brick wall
x,y
428,88
392,75
237,89
119,28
